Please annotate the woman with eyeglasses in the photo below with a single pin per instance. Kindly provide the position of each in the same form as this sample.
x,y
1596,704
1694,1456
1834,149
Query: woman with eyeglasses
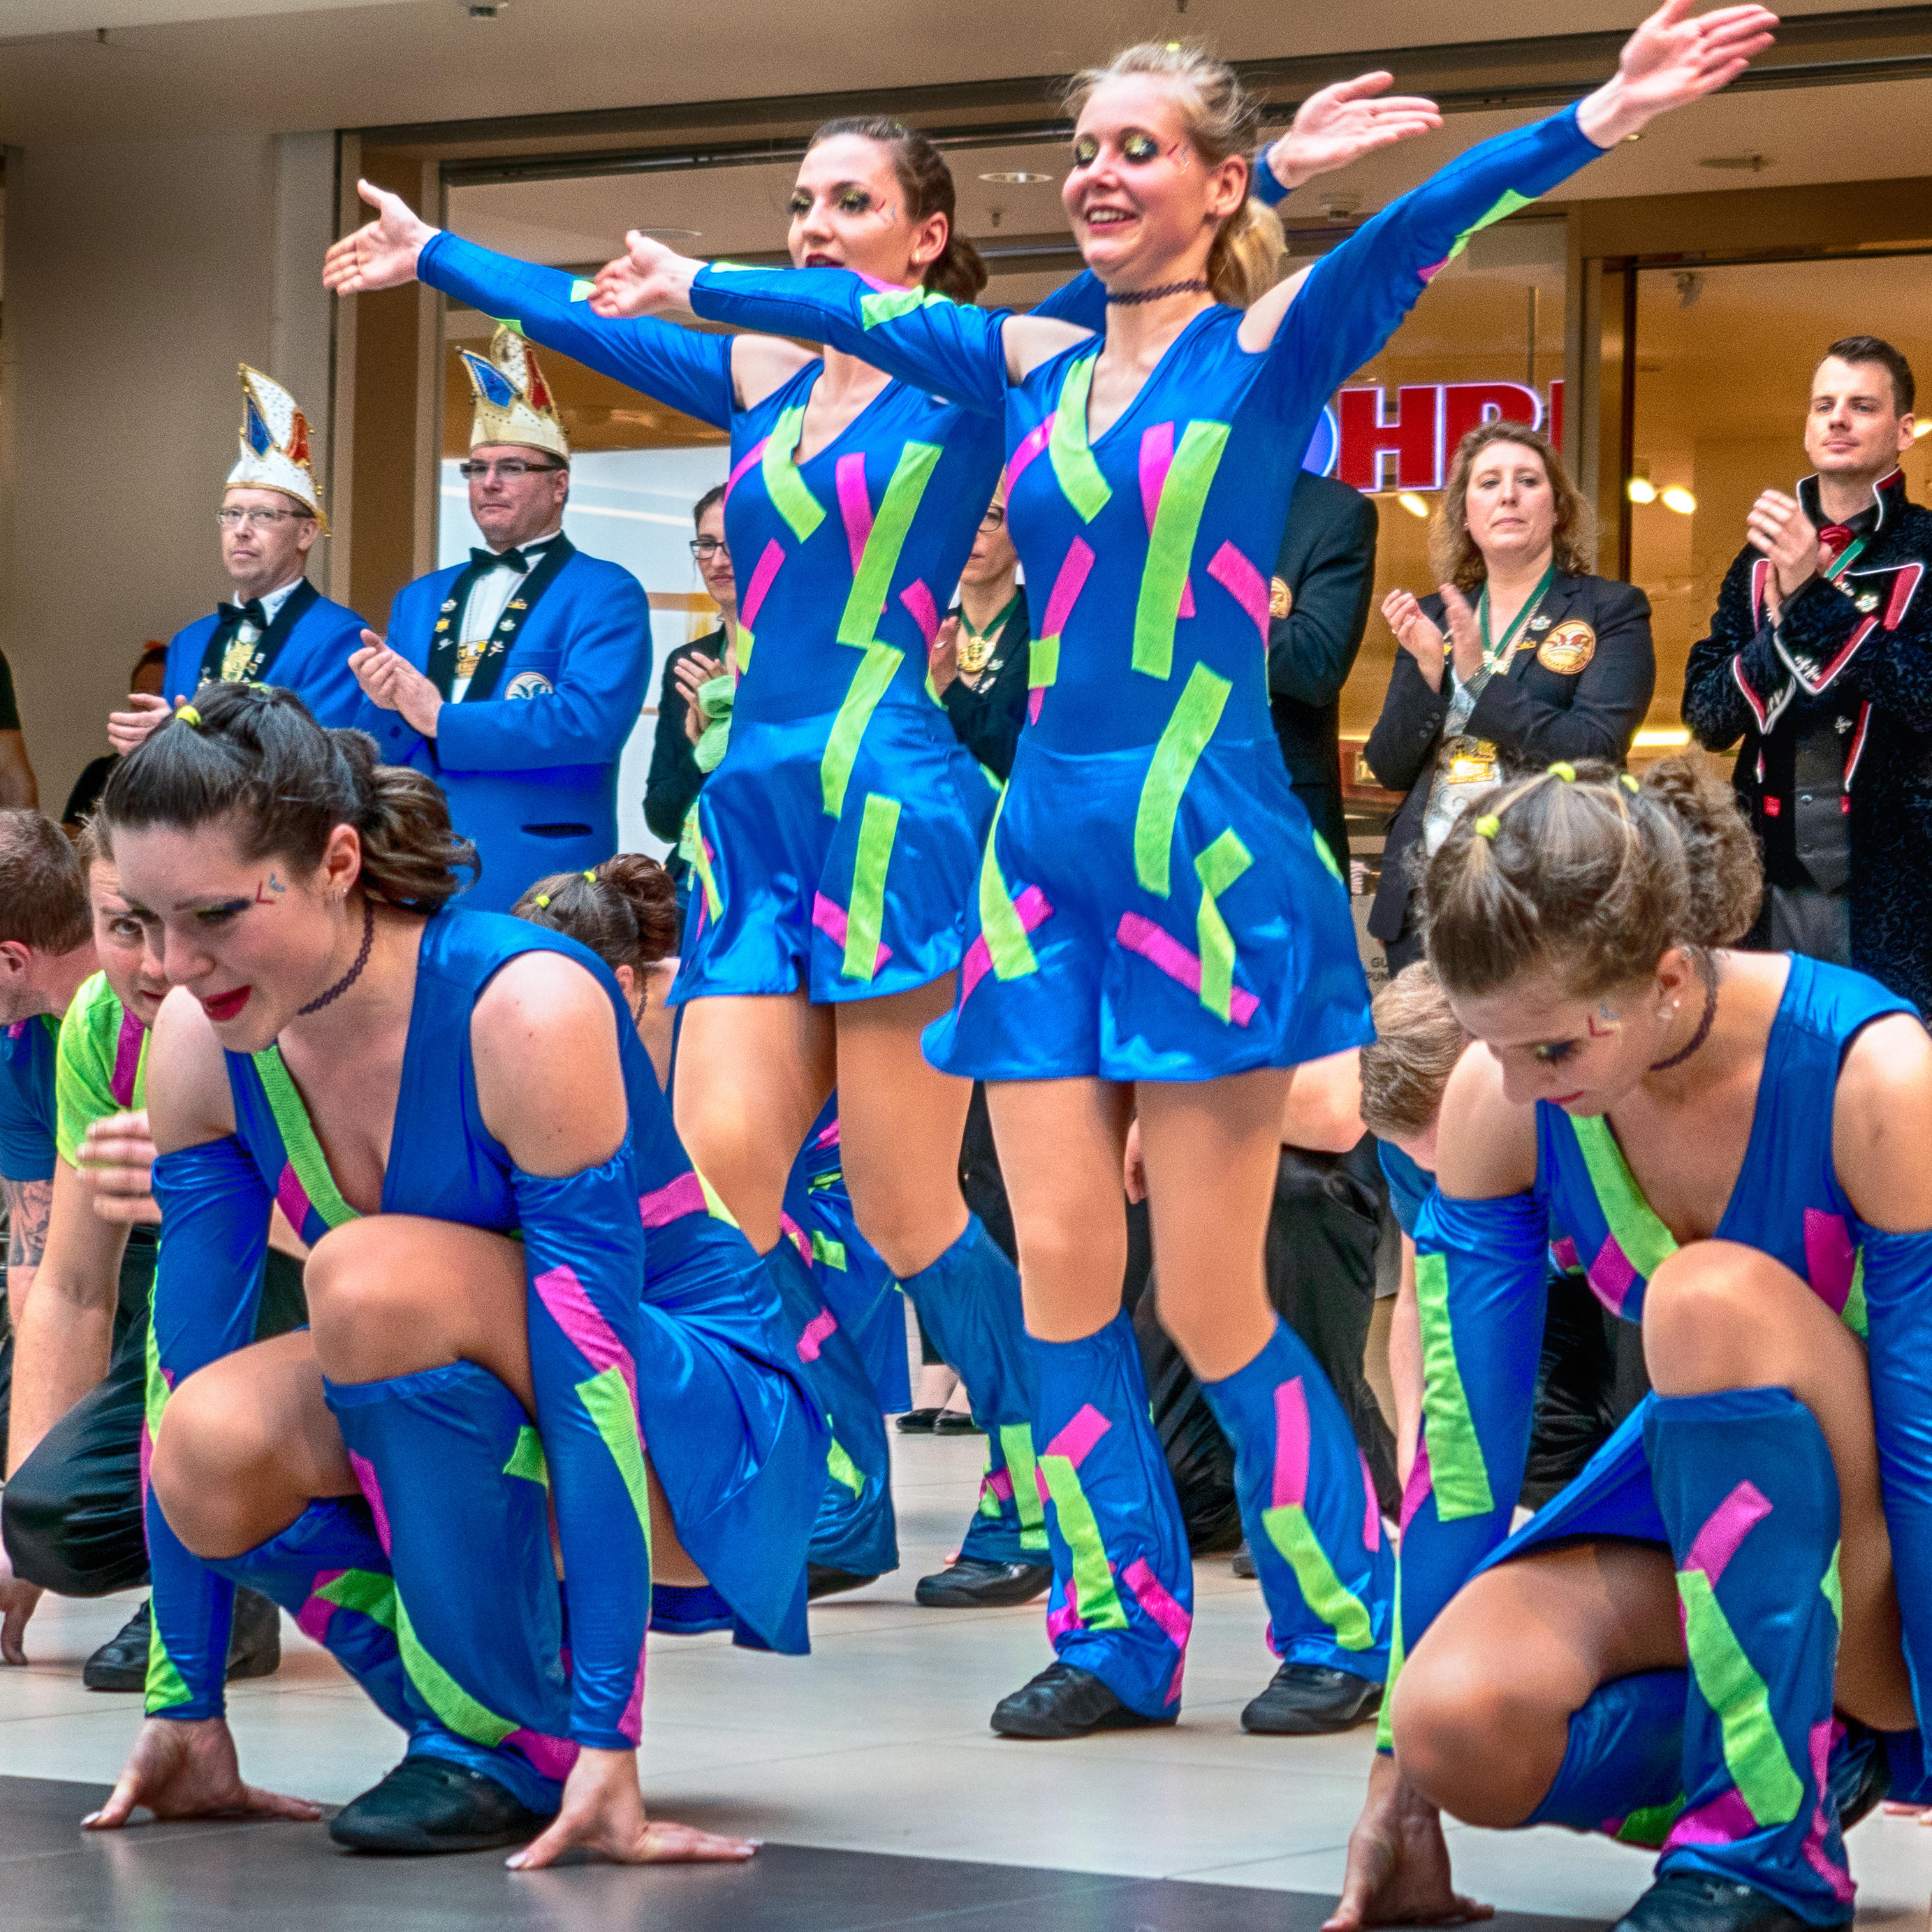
x,y
840,838
1155,926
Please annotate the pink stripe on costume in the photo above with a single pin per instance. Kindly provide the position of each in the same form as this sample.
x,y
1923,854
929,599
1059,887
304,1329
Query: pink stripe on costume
x,y
292,1197
1036,698
1563,1253
574,1312
1001,1483
744,462
1291,1444
830,918
631,1724
855,507
918,600
550,1757
1612,1275
1066,1618
147,1459
821,1326
1435,268
1156,459
1371,1510
371,1484
1244,583
1186,609
830,1137
1076,1440
1139,935
312,1619
1725,1820
672,1202
791,1231
1067,585
753,601
127,1060
1033,911
1152,1596
1725,1528
1830,1259
1030,445
1824,1736
1416,1491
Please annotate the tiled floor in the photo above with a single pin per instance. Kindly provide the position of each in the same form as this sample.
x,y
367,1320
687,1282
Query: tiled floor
x,y
876,1743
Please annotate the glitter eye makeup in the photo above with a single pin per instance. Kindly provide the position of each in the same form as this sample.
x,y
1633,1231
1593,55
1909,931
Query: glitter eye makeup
x,y
1086,151
1139,148
1553,1053
800,203
854,201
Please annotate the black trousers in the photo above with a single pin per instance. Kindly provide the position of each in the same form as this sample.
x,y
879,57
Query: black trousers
x,y
71,1514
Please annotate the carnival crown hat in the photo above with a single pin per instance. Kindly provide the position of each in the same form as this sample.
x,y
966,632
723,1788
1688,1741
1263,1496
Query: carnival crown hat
x,y
275,444
514,403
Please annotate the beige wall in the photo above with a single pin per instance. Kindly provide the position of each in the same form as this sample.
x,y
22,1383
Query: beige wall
x,y
138,275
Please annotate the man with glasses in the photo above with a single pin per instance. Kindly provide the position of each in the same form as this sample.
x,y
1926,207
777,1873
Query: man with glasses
x,y
280,629
514,679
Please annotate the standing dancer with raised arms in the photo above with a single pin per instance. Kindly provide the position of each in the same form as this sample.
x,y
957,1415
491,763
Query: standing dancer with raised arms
x,y
840,836
1154,921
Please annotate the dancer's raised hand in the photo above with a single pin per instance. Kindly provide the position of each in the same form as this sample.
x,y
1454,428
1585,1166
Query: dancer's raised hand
x,y
180,1769
1345,121
382,255
1672,60
604,1812
647,279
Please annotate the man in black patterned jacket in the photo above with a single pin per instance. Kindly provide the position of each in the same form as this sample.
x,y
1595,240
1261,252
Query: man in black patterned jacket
x,y
1819,659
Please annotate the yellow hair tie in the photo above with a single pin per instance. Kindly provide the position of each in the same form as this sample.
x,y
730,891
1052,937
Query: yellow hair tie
x,y
1629,784
1567,772
542,899
1488,826
590,875
187,714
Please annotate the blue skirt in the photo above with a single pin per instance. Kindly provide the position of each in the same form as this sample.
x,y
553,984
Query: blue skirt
x,y
1112,934
852,904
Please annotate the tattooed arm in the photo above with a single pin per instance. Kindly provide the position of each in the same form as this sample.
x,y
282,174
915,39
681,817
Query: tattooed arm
x,y
28,1204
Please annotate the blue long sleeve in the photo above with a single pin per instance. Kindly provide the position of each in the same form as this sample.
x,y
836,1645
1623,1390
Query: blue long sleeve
x,y
584,1247
676,366
208,1290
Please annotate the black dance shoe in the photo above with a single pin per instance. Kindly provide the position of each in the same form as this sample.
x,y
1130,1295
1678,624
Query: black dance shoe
x,y
1064,1701
822,1580
428,1804
1307,1699
971,1584
1243,1565
254,1647
956,1422
916,1422
1687,1901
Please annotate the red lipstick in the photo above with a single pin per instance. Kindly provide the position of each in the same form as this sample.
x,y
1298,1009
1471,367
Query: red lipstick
x,y
220,1006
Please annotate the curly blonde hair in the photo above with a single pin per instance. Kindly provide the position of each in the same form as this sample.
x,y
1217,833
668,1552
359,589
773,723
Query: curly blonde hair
x,y
1221,118
1453,554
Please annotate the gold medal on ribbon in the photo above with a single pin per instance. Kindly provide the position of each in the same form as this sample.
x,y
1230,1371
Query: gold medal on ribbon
x,y
1473,761
1568,648
235,660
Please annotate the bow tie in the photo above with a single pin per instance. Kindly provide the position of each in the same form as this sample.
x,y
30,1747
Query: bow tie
x,y
236,615
488,559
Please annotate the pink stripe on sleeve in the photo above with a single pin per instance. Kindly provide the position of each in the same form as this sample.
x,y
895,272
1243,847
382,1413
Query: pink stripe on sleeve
x,y
672,1202
573,1311
1725,1529
753,601
855,507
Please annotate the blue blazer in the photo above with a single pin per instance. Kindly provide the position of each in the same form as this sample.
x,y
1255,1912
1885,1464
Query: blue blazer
x,y
531,774
313,661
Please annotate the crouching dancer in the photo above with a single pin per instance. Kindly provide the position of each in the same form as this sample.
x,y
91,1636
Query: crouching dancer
x,y
1693,1644
454,1111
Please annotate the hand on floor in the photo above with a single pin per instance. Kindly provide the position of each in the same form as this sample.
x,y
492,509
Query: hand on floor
x,y
181,1769
17,1600
1398,1872
604,1812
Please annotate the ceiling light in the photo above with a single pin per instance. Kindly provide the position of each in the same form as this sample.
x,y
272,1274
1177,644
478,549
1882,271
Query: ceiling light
x,y
1680,499
486,10
1751,164
672,234
1646,740
1016,178
1640,489
1921,429
1413,504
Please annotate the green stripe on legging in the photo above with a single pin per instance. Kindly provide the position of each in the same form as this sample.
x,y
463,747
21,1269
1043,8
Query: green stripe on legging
x,y
363,1591
1219,866
1007,944
155,1393
1073,465
527,1459
870,682
1016,1443
866,602
783,484
1177,522
1833,1590
830,1252
165,1686
1754,1753
1326,1594
441,1693
1099,1602
865,916
608,1396
1178,752
843,1469
1385,1718
1457,1474
1646,1242
1650,1827
299,1139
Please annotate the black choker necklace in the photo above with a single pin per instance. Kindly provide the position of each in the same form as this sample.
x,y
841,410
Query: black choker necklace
x,y
1703,1032
1132,298
354,973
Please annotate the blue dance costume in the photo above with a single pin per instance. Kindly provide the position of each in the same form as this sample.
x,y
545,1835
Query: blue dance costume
x,y
29,1052
436,1587
838,840
1738,1484
1152,904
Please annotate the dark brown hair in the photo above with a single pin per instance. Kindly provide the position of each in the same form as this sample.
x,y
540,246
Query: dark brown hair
x,y
711,497
1856,349
625,910
1406,1067
43,888
1597,875
925,180
1453,554
258,755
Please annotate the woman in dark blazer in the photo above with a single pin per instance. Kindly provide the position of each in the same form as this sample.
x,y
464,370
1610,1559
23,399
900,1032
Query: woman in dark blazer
x,y
1523,658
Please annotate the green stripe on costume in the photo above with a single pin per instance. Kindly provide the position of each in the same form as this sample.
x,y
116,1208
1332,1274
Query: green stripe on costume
x,y
700,861
1183,740
830,1252
786,488
872,581
1509,202
1043,662
1073,465
1219,866
1177,522
1007,944
865,916
1650,1826
1754,1753
299,1139
365,1592
1099,1602
843,1469
885,305
527,1459
1338,1607
1833,1590
1385,1718
870,682
155,1390
165,1687
1327,857
1457,1475
441,1693
1854,1315
1646,1242
607,1397
1016,1444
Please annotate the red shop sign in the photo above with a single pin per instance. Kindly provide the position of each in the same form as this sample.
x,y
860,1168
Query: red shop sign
x,y
1408,447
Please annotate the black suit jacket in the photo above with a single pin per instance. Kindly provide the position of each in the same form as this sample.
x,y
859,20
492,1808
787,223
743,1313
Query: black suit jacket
x,y
1327,561
1533,716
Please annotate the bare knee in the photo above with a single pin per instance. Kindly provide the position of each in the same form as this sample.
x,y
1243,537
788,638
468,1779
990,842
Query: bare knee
x,y
1454,1717
910,1225
359,1300
209,1458
1705,1314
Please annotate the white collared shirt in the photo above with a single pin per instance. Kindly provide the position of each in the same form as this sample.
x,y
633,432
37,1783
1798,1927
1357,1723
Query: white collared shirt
x,y
489,597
